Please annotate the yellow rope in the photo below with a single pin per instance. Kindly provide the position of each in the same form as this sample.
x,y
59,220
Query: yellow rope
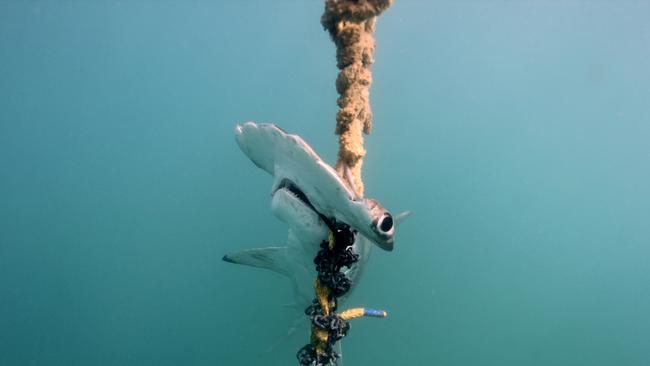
x,y
320,336
359,312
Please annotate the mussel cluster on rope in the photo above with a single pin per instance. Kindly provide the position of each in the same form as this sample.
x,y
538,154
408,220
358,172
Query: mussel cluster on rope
x,y
328,327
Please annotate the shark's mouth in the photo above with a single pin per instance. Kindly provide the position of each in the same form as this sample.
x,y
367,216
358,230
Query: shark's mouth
x,y
334,226
292,188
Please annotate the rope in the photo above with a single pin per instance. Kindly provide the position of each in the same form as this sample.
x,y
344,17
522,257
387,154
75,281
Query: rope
x,y
351,24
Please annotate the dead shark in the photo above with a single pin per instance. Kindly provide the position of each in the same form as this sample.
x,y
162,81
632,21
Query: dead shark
x,y
308,195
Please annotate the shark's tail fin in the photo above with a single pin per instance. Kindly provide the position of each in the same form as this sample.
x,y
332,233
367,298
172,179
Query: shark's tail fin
x,y
273,258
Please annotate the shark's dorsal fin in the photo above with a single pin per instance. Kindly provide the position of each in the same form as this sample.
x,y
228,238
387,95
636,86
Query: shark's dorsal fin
x,y
273,258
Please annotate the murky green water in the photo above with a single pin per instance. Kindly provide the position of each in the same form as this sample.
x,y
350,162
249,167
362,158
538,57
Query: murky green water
x,y
517,133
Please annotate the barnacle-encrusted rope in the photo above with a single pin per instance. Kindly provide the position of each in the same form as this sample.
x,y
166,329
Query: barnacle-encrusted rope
x,y
351,24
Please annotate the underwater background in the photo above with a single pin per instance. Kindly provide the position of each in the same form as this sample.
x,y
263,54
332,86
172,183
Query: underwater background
x,y
518,134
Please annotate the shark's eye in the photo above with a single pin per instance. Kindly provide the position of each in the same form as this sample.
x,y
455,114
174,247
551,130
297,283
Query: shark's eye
x,y
386,223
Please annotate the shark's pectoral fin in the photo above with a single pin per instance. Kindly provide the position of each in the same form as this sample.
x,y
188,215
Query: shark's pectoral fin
x,y
273,258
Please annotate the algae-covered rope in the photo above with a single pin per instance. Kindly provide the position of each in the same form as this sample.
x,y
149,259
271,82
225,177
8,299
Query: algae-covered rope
x,y
351,25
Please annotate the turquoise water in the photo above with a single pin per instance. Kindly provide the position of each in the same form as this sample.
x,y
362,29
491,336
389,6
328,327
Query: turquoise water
x,y
516,132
